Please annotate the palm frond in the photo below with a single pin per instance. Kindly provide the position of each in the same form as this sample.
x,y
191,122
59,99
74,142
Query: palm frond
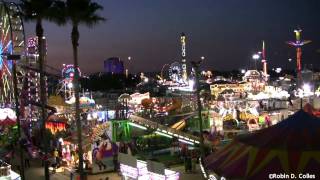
x,y
42,9
83,12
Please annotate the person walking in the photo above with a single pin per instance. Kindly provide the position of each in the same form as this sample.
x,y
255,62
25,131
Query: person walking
x,y
53,164
115,162
187,162
56,156
194,161
26,158
72,174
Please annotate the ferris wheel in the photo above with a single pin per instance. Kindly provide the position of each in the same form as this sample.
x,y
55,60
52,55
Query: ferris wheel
x,y
175,72
11,43
66,87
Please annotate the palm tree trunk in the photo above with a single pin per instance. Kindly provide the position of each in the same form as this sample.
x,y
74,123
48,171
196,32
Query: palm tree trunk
x,y
75,39
39,32
196,67
15,83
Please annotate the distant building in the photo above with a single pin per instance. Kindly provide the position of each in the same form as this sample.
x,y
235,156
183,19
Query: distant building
x,y
114,65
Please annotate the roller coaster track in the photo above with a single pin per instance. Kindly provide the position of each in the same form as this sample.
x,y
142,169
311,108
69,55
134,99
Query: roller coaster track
x,y
38,71
170,132
182,123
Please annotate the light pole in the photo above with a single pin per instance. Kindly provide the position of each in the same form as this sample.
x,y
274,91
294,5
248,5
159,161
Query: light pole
x,y
129,67
196,66
255,57
14,58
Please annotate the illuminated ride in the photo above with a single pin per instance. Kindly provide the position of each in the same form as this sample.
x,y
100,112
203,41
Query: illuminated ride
x,y
33,76
67,88
11,43
298,43
175,72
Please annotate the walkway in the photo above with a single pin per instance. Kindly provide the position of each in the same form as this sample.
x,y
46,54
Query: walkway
x,y
36,172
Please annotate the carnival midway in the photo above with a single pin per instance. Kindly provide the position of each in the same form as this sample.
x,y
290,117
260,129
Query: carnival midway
x,y
183,123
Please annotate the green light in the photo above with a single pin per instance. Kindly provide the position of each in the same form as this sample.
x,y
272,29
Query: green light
x,y
138,126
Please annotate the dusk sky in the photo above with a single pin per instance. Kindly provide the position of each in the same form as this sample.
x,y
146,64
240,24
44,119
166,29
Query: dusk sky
x,y
226,32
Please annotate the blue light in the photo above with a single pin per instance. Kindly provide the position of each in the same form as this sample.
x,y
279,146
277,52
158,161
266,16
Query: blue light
x,y
1,60
10,51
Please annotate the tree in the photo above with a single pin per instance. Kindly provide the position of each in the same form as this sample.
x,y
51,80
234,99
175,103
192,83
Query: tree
x,y
39,10
79,12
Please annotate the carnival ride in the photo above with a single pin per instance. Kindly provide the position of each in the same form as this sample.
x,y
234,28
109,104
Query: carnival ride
x,y
67,88
12,42
238,116
12,52
182,123
179,125
160,129
55,123
164,107
298,43
33,77
175,72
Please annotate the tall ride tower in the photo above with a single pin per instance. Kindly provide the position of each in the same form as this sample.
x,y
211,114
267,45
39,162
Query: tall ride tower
x,y
183,55
264,61
298,44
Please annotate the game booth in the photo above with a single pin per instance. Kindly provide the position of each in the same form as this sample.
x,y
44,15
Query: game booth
x,y
103,149
98,150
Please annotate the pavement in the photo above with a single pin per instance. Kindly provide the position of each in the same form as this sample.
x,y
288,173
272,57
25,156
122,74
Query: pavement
x,y
36,172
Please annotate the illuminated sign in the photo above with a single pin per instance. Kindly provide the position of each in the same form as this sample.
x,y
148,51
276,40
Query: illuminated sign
x,y
183,46
142,172
129,171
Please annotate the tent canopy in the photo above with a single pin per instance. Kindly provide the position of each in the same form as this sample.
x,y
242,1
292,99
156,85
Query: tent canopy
x,y
300,131
291,146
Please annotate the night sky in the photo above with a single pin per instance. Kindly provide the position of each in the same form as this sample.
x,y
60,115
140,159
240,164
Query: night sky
x,y
226,32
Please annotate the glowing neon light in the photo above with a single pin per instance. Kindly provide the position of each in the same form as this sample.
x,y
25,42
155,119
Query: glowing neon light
x,y
187,142
137,126
163,134
183,54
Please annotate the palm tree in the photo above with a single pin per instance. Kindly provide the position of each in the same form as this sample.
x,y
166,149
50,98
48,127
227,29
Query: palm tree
x,y
39,10
79,12
196,66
